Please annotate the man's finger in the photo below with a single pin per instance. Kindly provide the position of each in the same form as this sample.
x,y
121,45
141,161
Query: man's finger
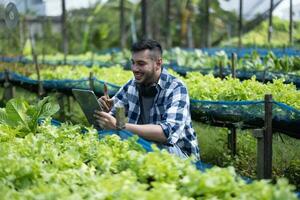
x,y
106,91
110,103
107,100
104,114
100,124
105,106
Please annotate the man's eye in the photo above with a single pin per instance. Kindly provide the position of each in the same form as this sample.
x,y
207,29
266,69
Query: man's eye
x,y
141,63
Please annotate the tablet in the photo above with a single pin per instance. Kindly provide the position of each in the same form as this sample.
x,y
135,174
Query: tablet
x,y
88,103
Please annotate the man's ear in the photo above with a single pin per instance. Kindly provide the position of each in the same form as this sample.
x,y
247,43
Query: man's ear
x,y
159,63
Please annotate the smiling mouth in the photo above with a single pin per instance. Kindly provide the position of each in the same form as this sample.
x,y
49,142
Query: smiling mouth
x,y
138,76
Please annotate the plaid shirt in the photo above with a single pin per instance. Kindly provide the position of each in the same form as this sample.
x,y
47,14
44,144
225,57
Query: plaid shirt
x,y
170,110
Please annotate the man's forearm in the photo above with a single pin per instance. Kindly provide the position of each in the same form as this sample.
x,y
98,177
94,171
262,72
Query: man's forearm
x,y
148,131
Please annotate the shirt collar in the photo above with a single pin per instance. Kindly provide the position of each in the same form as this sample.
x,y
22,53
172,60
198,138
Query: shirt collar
x,y
163,78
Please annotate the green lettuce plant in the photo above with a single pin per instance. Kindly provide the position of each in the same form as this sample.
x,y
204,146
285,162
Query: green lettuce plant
x,y
24,117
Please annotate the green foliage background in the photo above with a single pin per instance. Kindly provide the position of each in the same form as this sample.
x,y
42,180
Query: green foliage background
x,y
98,28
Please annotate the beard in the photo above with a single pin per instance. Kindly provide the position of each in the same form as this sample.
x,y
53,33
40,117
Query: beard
x,y
145,78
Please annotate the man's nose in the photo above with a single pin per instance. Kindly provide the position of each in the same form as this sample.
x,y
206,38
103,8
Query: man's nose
x,y
134,67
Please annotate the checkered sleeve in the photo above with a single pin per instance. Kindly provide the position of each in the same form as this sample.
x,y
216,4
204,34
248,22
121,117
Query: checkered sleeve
x,y
173,120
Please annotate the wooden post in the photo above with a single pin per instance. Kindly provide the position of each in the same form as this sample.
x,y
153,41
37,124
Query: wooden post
x,y
240,23
259,135
144,10
167,24
91,82
291,23
35,61
69,103
207,17
60,100
264,143
92,59
189,35
41,91
21,33
44,41
221,69
43,54
64,30
9,89
232,140
270,30
233,64
268,137
122,25
206,25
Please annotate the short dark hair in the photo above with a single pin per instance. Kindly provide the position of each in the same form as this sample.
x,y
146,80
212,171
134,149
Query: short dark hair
x,y
146,44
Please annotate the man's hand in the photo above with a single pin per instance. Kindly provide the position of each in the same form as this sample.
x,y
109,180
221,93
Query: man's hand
x,y
148,131
105,120
106,103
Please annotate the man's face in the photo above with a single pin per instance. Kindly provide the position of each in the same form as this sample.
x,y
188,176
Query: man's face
x,y
145,68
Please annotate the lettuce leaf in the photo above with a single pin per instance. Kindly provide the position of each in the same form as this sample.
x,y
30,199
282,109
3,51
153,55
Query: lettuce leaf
x,y
18,113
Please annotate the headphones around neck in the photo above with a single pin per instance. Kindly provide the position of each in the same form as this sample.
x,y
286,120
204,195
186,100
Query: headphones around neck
x,y
147,91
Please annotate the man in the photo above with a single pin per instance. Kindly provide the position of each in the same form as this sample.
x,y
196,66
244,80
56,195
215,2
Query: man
x,y
156,103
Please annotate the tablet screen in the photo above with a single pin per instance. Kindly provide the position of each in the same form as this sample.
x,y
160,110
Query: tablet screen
x,y
88,103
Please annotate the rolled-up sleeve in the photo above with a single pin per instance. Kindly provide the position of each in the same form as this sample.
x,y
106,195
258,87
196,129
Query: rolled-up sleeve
x,y
173,120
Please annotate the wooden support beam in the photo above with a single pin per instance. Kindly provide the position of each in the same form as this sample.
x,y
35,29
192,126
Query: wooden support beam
x,y
64,30
232,140
259,135
270,29
240,23
264,143
122,25
221,70
291,23
60,100
41,91
145,19
233,64
9,89
268,137
91,81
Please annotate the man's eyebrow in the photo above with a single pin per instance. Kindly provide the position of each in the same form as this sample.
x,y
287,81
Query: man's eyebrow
x,y
132,60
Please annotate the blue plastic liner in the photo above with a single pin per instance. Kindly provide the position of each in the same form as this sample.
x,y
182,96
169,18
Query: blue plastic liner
x,y
261,76
241,52
63,85
242,74
247,115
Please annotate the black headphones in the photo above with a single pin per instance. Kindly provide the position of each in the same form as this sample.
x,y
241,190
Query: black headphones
x,y
147,91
